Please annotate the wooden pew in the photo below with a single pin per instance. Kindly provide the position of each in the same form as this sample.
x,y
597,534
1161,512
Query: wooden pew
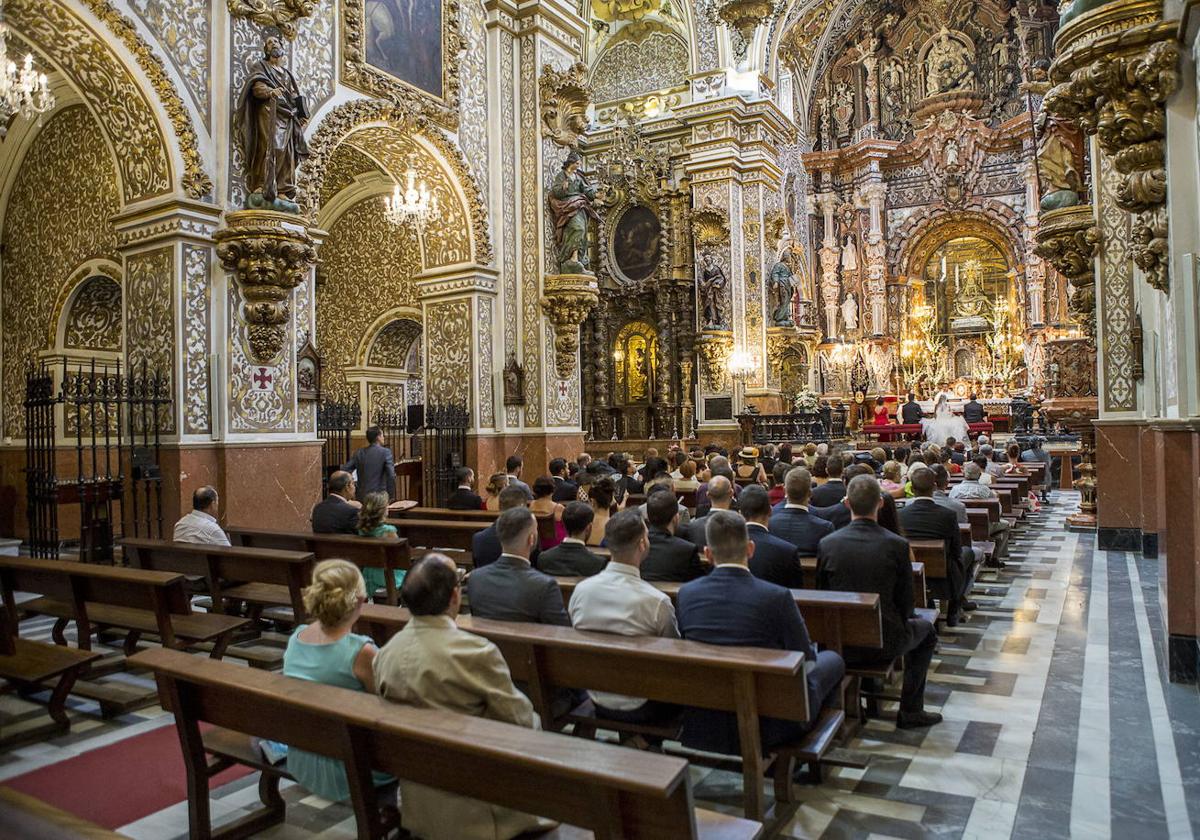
x,y
429,534
260,577
610,791
920,596
980,521
750,682
23,817
364,552
545,521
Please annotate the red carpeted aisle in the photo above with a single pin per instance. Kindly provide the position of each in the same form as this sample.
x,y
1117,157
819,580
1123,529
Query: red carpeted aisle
x,y
121,783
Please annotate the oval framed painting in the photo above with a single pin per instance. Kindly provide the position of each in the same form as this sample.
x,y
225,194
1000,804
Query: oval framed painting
x,y
637,243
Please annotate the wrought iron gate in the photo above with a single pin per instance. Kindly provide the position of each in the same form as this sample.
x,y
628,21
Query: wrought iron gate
x,y
110,416
444,450
336,422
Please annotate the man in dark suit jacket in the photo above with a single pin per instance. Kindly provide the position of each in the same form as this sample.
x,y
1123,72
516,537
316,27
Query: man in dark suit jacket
x,y
973,412
571,557
774,560
336,514
565,490
864,557
485,545
924,519
796,523
833,490
376,469
733,607
510,589
911,412
465,497
720,497
670,558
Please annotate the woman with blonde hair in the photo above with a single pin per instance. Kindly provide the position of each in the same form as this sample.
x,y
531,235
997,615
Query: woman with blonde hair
x,y
326,651
892,483
495,485
371,524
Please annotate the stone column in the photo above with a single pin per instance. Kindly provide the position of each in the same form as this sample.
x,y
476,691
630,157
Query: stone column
x,y
874,194
830,257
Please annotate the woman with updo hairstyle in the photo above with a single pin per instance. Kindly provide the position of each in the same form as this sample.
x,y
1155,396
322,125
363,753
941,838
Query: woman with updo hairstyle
x,y
371,524
491,497
892,482
600,496
326,651
543,503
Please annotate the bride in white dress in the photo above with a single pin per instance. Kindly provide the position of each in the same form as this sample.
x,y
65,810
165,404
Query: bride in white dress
x,y
945,424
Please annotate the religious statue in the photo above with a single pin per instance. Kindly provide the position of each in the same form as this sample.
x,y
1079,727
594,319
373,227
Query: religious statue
x,y
950,155
947,65
712,283
514,382
1060,181
270,118
850,255
782,287
850,312
570,201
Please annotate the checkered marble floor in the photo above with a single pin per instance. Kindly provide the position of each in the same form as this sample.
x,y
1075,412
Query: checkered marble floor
x,y
1059,722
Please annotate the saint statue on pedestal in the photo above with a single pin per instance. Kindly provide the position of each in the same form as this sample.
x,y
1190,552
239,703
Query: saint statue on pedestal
x,y
782,288
570,201
270,119
712,283
850,312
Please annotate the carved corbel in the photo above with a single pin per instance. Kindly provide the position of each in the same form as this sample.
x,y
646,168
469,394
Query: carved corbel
x,y
779,341
567,301
269,254
281,14
714,348
1067,239
710,226
565,96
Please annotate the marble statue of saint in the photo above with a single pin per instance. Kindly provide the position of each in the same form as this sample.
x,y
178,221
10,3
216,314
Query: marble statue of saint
x,y
712,283
850,312
850,255
782,286
947,65
570,201
270,119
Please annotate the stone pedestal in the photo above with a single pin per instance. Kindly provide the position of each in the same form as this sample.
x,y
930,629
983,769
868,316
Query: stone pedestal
x,y
1073,403
567,299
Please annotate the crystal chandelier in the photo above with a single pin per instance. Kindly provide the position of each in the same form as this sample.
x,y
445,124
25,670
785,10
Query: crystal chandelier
x,y
415,205
23,92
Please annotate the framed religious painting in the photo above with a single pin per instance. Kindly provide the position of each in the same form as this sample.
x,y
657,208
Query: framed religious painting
x,y
404,50
637,243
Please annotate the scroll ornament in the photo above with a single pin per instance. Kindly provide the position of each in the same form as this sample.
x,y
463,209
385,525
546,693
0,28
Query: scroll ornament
x,y
567,301
714,348
281,14
1067,239
565,96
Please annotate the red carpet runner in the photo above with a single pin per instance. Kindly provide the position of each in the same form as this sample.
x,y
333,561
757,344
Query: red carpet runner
x,y
121,783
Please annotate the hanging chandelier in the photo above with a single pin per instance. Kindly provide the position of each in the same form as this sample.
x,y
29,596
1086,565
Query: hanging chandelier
x,y
415,205
25,92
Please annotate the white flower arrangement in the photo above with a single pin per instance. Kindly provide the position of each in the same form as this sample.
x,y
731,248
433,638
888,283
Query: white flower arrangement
x,y
806,402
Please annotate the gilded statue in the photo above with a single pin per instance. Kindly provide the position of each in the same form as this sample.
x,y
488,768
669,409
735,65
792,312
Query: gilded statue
x,y
712,283
1060,181
270,118
782,288
570,201
947,65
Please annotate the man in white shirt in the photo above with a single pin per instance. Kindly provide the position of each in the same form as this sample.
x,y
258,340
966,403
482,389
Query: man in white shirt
x,y
617,600
200,526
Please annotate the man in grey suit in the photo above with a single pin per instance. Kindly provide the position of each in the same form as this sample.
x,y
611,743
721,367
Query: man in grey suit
x,y
513,467
720,496
375,466
510,589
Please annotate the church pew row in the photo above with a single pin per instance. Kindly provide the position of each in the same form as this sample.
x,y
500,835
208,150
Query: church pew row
x,y
607,790
749,682
365,552
545,521
96,597
24,817
920,595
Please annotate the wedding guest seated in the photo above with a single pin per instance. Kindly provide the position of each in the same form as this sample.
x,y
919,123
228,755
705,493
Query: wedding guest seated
x,y
768,459
337,513
434,665
486,546
720,497
565,489
543,503
924,519
495,487
985,474
510,589
796,523
833,490
670,557
749,467
687,477
778,492
774,559
972,487
326,651
200,525
514,467
718,465
1035,454
881,413
818,470
810,454
892,483
955,448
464,497
1016,467
864,557
371,524
600,496
617,600
571,557
733,607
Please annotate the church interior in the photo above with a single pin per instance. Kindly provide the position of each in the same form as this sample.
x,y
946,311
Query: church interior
x,y
335,334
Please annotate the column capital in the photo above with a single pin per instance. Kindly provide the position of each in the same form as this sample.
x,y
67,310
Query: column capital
x,y
170,218
457,281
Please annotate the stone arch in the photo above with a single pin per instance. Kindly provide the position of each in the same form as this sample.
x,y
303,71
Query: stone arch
x,y
923,232
90,312
148,127
389,130
398,315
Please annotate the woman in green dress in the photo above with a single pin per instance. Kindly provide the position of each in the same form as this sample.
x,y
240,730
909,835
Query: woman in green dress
x,y
371,524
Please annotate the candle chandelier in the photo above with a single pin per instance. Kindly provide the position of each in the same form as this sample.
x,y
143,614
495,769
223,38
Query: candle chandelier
x,y
25,91
415,205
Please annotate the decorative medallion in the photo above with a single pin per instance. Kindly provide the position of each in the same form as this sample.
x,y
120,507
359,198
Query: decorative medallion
x,y
282,14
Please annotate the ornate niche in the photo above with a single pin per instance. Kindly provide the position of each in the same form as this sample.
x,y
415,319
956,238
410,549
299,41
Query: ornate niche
x,y
565,96
635,356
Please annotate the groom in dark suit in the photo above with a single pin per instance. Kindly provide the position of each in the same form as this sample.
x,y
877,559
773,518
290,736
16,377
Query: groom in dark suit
x,y
911,412
973,412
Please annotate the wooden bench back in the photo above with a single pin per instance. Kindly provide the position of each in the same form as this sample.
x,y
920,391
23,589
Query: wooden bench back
x,y
933,554
434,533
545,521
612,791
991,506
371,552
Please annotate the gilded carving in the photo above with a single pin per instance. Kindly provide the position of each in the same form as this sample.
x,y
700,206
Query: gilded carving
x,y
313,56
45,242
531,256
630,68
714,348
487,402
150,342
473,92
281,14
196,182
1117,295
449,362
260,396
94,319
565,96
567,301
393,344
268,259
349,118
1068,239
710,226
360,74
197,282
185,30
